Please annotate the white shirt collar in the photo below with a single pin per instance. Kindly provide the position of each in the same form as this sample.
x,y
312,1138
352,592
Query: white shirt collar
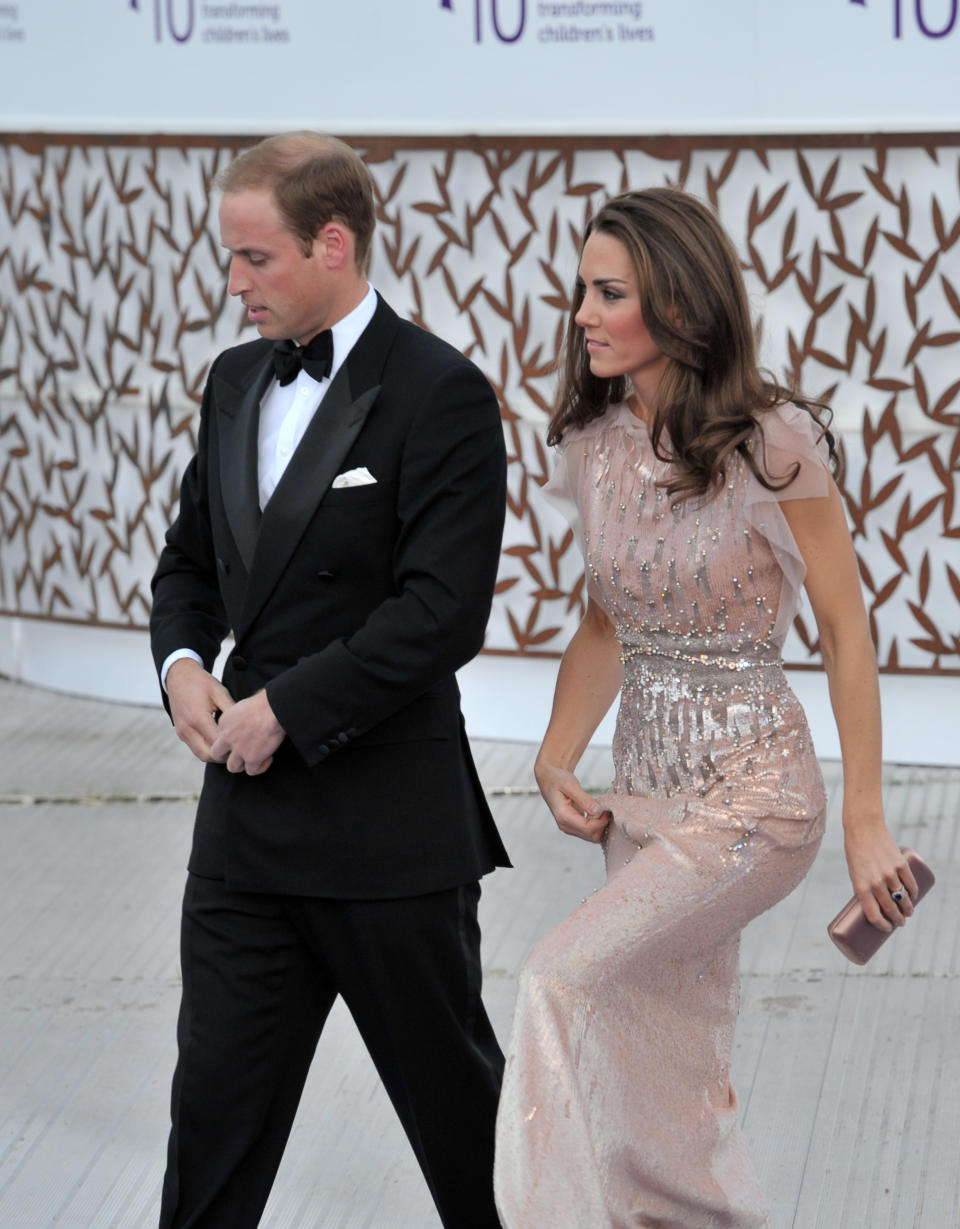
x,y
346,332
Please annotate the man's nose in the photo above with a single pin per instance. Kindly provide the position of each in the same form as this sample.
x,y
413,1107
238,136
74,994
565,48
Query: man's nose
x,y
237,282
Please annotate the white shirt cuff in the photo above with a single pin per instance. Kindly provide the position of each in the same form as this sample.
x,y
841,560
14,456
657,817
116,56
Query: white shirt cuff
x,y
175,656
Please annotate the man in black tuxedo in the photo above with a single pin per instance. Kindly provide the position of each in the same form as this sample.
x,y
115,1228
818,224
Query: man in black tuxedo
x,y
342,517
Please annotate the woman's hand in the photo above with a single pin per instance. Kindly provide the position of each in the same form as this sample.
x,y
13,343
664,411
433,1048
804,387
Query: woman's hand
x,y
877,870
577,813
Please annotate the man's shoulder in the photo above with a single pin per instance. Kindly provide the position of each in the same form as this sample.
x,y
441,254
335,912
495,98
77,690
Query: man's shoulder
x,y
428,352
418,337
234,362
414,366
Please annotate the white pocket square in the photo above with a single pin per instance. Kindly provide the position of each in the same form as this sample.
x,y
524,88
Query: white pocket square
x,y
353,477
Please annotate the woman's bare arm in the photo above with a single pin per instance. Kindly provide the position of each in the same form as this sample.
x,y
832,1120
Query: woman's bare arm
x,y
876,865
589,678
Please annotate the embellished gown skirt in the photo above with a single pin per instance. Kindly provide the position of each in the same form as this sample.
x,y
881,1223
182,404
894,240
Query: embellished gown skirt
x,y
617,1110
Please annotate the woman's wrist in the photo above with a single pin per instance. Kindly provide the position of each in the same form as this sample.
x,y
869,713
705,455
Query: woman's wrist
x,y
552,758
860,819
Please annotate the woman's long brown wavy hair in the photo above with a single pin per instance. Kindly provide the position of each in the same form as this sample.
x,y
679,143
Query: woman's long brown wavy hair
x,y
694,304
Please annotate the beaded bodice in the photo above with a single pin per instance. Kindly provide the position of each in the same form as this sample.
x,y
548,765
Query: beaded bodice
x,y
696,591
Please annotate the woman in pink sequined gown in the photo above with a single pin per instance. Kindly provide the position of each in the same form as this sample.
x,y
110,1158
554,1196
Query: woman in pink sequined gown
x,y
703,501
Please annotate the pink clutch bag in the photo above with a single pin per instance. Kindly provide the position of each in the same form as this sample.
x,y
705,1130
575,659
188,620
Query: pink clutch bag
x,y
857,938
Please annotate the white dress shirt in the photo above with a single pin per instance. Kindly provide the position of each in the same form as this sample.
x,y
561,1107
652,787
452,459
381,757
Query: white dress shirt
x,y
286,411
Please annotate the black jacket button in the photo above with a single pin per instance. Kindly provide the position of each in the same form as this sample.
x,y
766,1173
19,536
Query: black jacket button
x,y
325,575
323,751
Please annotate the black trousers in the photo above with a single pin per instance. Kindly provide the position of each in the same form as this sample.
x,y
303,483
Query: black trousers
x,y
260,974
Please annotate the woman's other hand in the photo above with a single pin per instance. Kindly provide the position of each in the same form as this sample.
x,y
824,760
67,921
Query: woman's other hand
x,y
577,813
878,868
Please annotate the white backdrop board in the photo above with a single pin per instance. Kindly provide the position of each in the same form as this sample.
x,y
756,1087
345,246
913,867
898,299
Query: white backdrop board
x,y
491,66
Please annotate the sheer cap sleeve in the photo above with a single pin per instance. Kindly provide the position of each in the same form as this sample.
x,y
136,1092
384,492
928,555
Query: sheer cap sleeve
x,y
787,437
558,488
564,488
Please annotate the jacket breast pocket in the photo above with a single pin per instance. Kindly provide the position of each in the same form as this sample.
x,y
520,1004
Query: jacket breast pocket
x,y
344,498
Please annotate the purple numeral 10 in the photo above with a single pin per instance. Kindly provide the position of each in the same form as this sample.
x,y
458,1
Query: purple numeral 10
x,y
919,6
494,6
163,15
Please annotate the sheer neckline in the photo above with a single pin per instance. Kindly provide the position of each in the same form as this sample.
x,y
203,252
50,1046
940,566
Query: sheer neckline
x,y
621,415
634,414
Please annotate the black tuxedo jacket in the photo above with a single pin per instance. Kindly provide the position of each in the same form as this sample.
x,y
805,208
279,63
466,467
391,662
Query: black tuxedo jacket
x,y
353,606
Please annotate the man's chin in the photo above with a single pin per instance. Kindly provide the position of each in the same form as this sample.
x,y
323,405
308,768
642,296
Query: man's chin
x,y
264,326
270,332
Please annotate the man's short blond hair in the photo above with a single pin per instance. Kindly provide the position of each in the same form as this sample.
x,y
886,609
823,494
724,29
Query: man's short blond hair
x,y
315,179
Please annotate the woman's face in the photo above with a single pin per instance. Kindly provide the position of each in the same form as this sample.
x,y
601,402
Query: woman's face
x,y
618,342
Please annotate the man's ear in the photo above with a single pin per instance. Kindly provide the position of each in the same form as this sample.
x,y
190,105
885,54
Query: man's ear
x,y
334,245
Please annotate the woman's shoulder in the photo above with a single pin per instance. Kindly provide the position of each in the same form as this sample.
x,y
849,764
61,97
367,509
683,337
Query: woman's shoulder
x,y
787,425
789,440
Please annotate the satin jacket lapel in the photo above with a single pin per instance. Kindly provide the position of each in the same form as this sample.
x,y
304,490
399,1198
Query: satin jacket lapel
x,y
313,466
318,459
239,486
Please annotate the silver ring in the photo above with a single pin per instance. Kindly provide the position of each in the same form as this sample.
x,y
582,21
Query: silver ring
x,y
898,895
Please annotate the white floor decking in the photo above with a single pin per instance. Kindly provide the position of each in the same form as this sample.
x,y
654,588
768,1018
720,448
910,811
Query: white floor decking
x,y
848,1078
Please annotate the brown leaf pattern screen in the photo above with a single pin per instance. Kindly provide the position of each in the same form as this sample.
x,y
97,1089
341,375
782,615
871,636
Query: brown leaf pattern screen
x,y
113,303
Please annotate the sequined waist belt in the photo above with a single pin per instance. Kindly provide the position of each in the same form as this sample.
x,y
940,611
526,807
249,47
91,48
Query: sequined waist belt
x,y
658,655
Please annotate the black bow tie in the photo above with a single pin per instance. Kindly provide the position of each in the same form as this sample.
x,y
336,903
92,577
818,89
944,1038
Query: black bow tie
x,y
316,358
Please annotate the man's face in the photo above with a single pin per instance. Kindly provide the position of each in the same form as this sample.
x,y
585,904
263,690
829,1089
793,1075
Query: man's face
x,y
286,293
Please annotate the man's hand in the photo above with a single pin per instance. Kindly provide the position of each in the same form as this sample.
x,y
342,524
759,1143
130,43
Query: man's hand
x,y
247,736
194,697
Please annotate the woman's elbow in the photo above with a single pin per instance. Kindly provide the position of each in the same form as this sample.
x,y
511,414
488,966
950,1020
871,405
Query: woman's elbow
x,y
846,643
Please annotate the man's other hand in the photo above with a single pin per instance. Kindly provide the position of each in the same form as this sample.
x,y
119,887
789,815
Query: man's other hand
x,y
247,736
195,698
